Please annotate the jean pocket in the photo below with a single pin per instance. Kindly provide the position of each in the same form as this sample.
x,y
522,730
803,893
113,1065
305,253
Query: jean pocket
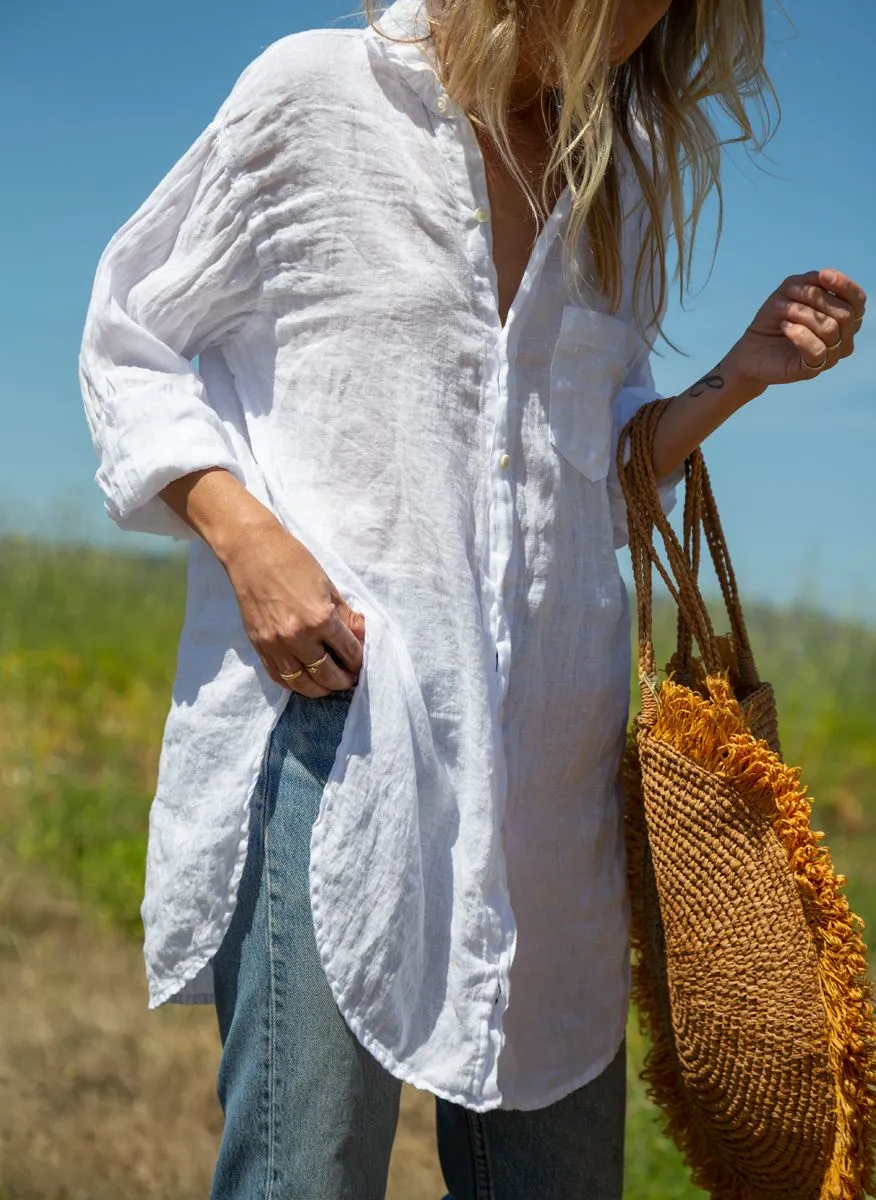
x,y
588,368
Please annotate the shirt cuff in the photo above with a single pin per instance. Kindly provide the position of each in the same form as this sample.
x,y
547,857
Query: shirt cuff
x,y
627,403
145,453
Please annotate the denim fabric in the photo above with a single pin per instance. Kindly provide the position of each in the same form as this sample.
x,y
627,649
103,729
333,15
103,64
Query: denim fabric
x,y
309,1114
571,1150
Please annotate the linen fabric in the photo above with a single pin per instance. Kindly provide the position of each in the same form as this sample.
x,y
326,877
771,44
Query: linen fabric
x,y
325,249
309,1113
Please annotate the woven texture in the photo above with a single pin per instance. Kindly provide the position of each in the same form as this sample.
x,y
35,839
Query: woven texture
x,y
749,969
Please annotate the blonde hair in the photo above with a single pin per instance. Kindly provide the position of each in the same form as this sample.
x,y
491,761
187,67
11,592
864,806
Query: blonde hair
x,y
702,54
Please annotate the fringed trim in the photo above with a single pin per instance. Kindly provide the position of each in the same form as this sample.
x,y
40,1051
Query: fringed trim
x,y
724,746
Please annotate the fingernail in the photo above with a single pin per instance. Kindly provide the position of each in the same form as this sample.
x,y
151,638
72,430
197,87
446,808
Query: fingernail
x,y
829,277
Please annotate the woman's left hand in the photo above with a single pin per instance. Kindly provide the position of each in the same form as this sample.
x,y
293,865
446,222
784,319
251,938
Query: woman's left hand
x,y
806,326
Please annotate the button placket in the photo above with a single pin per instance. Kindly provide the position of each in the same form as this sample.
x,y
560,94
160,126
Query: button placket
x,y
467,177
473,194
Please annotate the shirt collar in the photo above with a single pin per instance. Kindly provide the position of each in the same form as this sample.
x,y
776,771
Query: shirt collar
x,y
407,19
402,21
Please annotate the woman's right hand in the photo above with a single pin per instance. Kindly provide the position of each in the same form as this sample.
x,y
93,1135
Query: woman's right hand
x,y
293,614
291,610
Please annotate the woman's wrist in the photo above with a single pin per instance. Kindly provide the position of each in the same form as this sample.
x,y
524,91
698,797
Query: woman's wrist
x,y
693,415
219,509
739,387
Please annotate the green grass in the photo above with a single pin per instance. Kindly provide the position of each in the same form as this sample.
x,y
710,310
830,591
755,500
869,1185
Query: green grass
x,y
87,649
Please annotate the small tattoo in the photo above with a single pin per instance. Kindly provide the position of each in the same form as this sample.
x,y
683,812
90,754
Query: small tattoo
x,y
712,381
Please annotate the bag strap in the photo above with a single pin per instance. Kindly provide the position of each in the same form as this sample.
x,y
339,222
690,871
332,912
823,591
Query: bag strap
x,y
644,514
692,525
720,555
681,575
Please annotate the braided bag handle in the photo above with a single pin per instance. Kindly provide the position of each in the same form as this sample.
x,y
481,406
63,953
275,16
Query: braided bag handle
x,y
681,574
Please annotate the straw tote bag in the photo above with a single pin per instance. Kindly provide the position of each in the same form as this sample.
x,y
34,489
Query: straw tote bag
x,y
749,969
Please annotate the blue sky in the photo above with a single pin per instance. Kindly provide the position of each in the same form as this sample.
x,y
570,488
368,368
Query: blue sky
x,y
101,98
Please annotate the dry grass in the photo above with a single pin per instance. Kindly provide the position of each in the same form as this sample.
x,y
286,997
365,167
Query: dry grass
x,y
101,1100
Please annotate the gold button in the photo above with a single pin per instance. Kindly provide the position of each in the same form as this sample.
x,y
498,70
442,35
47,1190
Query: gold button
x,y
505,461
481,215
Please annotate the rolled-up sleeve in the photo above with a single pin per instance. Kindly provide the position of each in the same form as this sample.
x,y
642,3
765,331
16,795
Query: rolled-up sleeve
x,y
638,389
180,276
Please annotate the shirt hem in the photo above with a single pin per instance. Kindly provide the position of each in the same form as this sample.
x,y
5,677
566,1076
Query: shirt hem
x,y
189,998
561,1091
173,991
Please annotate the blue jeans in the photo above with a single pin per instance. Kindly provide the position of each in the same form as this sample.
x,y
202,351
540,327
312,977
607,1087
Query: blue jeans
x,y
309,1114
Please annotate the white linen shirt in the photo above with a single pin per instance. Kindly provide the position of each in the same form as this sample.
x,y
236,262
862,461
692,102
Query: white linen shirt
x,y
325,248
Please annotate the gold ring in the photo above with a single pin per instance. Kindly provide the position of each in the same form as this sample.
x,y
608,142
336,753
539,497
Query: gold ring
x,y
859,321
836,344
814,368
293,676
313,667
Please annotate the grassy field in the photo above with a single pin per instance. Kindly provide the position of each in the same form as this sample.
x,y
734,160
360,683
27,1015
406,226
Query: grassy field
x,y
87,643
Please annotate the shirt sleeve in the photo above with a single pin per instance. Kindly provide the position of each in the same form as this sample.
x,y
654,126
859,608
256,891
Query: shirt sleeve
x,y
180,276
638,389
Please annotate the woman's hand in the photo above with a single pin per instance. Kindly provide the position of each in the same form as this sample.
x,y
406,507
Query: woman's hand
x,y
293,614
291,611
806,326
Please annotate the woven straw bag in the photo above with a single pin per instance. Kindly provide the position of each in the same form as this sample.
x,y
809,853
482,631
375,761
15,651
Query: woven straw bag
x,y
749,969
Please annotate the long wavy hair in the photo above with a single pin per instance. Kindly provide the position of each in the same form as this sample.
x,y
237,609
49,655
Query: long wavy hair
x,y
659,105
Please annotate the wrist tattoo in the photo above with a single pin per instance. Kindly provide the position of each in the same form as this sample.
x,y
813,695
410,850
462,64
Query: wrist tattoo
x,y
713,381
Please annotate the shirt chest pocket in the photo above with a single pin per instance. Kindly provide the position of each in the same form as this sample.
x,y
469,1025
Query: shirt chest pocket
x,y
588,369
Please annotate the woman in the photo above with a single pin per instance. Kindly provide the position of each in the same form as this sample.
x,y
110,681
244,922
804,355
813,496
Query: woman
x,y
422,265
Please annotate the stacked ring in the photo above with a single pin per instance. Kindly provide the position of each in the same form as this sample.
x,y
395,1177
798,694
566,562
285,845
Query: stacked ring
x,y
310,668
814,368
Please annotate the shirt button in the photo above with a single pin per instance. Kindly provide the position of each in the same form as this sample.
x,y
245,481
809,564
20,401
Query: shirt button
x,y
481,215
505,461
442,104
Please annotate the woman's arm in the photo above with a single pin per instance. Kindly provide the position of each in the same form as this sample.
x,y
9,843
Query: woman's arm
x,y
219,509
809,321
181,275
